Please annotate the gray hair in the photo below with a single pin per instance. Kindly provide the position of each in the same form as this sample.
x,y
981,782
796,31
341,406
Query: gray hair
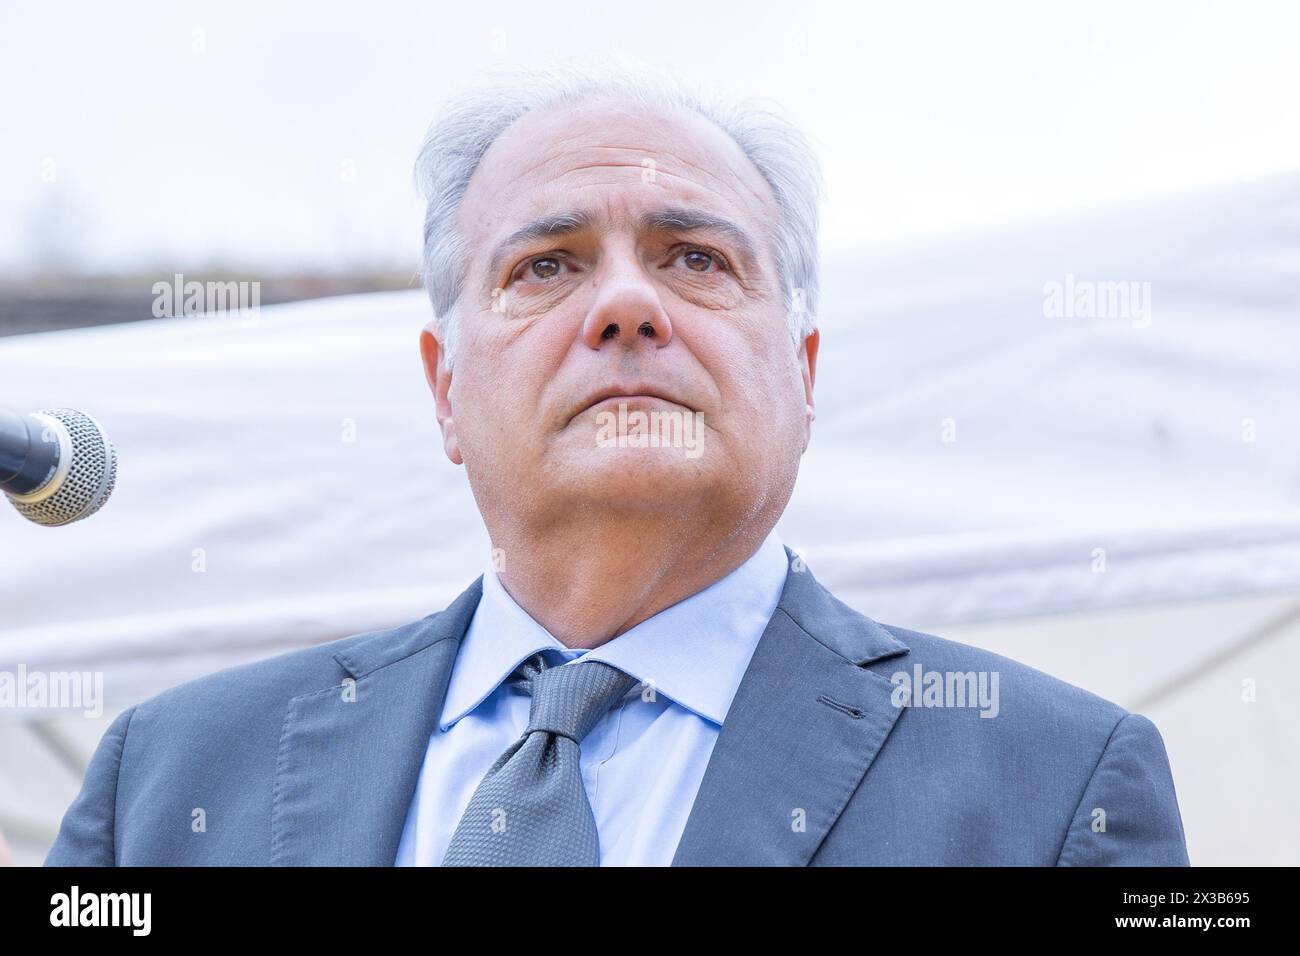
x,y
470,123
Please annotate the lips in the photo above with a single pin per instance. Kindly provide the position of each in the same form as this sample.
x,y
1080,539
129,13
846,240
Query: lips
x,y
628,392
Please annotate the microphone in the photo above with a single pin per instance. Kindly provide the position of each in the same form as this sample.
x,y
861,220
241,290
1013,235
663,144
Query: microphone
x,y
56,465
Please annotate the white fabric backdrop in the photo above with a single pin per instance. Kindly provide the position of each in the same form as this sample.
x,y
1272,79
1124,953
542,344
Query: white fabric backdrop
x,y
1071,435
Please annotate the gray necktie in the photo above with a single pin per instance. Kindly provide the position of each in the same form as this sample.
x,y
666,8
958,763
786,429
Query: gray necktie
x,y
531,808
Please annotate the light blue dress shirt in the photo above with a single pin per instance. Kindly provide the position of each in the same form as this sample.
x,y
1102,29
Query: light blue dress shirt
x,y
641,765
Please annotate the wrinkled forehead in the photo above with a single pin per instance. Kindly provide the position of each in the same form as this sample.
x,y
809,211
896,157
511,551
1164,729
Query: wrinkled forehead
x,y
616,159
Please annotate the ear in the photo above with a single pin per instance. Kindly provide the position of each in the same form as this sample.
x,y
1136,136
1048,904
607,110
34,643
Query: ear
x,y
438,376
808,366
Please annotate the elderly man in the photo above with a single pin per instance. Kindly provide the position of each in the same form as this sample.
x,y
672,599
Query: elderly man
x,y
623,357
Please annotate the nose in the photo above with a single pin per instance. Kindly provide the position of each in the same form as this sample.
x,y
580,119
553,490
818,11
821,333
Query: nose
x,y
626,308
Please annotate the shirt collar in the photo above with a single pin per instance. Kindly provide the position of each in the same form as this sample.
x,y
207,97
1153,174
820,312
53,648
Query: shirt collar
x,y
694,652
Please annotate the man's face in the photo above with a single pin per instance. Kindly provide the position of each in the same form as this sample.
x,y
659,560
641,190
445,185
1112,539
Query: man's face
x,y
626,301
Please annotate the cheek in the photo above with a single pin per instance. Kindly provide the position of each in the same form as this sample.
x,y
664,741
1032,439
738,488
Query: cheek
x,y
531,327
762,390
503,371
536,310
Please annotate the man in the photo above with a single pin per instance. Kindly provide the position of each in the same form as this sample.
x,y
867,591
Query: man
x,y
624,282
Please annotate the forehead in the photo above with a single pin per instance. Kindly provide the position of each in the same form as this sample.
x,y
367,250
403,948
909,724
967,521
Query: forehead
x,y
617,158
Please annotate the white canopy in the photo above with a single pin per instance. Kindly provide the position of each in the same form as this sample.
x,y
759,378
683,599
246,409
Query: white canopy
x,y
987,445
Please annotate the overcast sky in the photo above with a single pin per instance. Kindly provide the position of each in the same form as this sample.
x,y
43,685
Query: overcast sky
x,y
266,135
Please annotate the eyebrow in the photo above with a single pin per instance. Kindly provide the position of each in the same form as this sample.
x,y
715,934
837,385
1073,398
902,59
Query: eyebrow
x,y
673,218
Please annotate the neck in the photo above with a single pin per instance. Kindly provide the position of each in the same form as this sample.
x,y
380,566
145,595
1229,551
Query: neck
x,y
592,577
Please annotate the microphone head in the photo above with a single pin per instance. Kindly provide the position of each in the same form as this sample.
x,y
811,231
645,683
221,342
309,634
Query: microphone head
x,y
81,488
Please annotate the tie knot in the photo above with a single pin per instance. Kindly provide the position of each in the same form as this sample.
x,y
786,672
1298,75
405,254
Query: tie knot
x,y
570,699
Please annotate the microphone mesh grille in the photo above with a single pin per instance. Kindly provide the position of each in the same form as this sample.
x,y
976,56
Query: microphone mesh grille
x,y
91,473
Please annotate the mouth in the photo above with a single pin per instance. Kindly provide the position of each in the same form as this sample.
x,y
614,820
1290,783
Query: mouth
x,y
635,395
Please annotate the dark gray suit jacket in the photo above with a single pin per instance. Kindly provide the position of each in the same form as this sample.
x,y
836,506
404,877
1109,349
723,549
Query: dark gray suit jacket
x,y
822,758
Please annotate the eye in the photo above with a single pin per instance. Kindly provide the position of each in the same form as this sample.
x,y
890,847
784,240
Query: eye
x,y
699,259
541,268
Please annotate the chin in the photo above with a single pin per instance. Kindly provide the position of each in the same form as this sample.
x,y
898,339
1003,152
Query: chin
x,y
653,475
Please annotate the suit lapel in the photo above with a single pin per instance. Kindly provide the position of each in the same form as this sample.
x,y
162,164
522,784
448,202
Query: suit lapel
x,y
351,753
806,723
